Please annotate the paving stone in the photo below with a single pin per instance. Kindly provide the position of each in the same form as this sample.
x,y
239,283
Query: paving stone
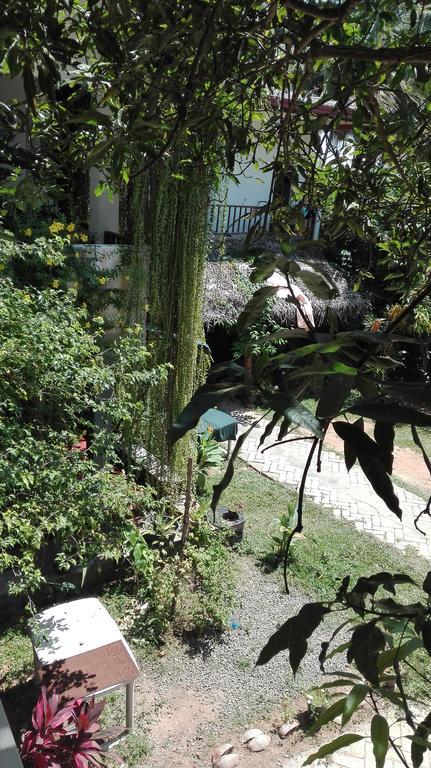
x,y
348,494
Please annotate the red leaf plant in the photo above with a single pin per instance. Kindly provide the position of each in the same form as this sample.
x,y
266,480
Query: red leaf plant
x,y
65,738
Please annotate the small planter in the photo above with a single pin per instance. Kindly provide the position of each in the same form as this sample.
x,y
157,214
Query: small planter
x,y
230,521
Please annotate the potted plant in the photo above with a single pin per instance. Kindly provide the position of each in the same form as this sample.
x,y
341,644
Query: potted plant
x,y
68,737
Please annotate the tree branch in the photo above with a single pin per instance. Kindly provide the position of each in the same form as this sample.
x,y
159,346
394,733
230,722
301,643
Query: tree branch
x,y
329,13
299,509
412,55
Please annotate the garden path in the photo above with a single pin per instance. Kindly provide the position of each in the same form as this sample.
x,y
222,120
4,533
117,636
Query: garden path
x,y
348,494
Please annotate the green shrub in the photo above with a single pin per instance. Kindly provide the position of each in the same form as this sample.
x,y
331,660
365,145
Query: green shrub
x,y
208,585
59,506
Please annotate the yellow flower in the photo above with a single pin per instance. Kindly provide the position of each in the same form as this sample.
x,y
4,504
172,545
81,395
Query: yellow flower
x,y
102,280
28,232
55,283
147,307
70,227
26,297
99,320
210,430
84,238
50,262
60,225
53,228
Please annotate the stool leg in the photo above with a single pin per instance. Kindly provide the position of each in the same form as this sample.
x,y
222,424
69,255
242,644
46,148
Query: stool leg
x,y
130,704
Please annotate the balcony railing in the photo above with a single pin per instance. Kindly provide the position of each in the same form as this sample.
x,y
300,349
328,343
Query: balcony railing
x,y
236,219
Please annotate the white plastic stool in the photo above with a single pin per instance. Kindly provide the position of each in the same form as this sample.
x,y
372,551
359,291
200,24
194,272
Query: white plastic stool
x,y
79,651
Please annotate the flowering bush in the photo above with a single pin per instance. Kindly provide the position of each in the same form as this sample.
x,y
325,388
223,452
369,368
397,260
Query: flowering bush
x,y
65,738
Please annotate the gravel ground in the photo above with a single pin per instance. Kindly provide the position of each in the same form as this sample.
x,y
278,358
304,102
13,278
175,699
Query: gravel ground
x,y
228,666
197,695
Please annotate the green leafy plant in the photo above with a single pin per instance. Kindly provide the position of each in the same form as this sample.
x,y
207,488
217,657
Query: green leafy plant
x,y
59,506
209,455
286,524
381,637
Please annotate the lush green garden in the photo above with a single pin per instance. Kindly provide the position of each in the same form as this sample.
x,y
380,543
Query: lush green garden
x,y
105,486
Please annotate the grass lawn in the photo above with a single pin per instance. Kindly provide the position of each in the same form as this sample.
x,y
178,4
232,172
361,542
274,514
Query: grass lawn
x,y
330,549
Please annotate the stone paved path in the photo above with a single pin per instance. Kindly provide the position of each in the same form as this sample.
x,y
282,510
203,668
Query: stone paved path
x,y
360,754
349,495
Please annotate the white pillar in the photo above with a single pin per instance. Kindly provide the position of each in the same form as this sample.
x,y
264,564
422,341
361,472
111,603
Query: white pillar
x,y
104,213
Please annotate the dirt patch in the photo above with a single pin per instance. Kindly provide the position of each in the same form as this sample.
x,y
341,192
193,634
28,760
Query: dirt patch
x,y
408,465
177,731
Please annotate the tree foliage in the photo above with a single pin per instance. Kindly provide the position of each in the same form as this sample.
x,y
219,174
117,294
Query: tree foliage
x,y
217,78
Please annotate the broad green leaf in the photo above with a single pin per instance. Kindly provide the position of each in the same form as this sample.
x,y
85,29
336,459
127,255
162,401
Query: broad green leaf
x,y
264,267
328,714
391,696
369,457
254,308
421,735
368,585
320,370
391,413
293,635
380,739
293,410
321,285
333,746
339,649
389,657
343,681
354,699
367,642
333,396
376,474
206,397
384,435
323,348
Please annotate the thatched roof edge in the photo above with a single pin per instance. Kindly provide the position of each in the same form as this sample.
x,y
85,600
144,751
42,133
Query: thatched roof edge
x,y
228,288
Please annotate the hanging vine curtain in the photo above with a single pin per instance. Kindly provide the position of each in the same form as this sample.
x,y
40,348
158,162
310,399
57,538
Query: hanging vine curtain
x,y
170,230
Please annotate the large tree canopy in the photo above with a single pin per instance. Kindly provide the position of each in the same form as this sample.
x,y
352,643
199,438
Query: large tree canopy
x,y
151,91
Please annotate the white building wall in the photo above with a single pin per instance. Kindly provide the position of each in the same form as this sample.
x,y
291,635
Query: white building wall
x,y
254,183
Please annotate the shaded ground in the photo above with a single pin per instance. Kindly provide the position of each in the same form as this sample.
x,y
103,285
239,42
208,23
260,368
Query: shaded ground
x,y
198,695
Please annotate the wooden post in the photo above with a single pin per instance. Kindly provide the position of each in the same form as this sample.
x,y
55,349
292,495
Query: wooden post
x,y
184,534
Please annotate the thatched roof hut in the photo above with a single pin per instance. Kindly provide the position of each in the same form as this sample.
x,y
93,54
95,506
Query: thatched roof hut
x,y
228,288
